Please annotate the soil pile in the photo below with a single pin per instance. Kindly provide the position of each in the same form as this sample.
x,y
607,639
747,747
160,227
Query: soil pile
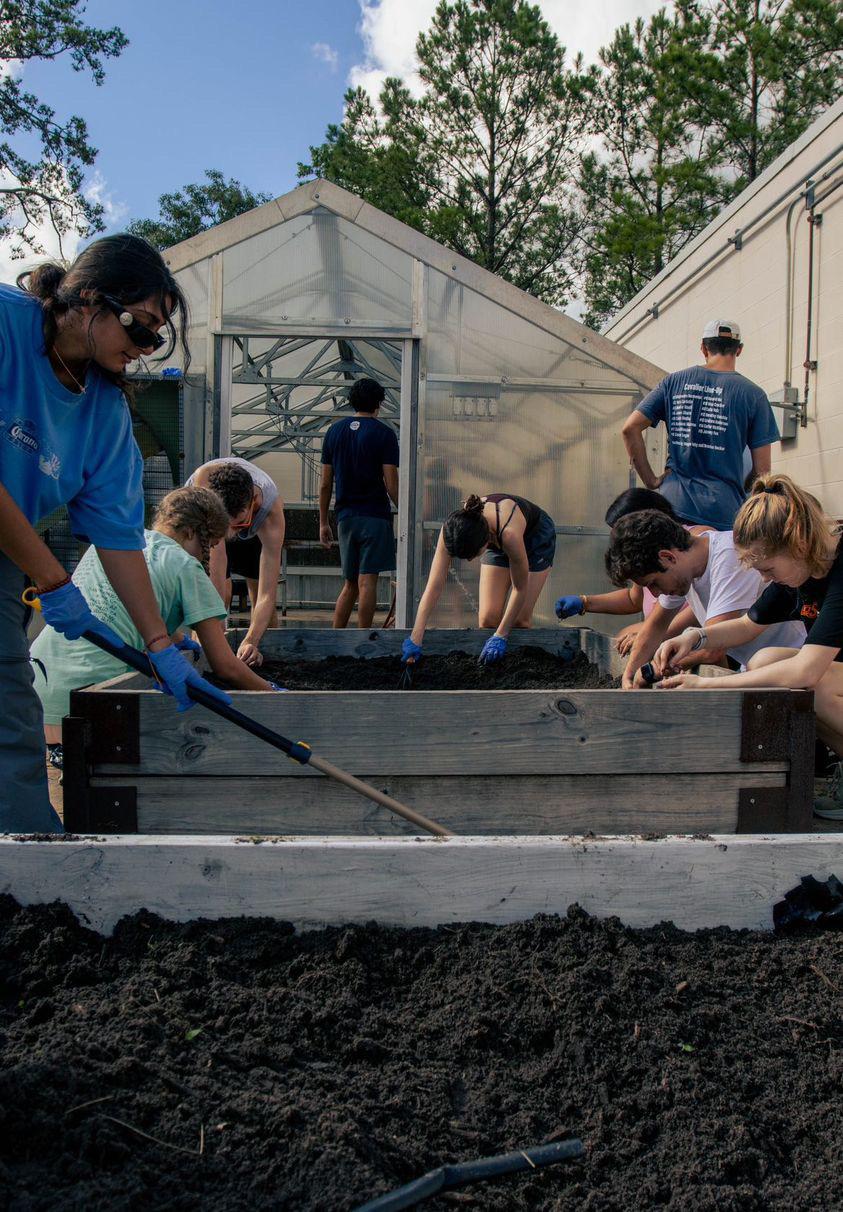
x,y
234,1065
522,669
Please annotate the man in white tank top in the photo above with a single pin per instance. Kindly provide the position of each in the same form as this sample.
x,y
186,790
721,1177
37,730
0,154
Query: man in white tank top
x,y
253,546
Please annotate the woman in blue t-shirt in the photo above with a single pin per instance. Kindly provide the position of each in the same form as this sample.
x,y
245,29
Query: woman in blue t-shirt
x,y
66,339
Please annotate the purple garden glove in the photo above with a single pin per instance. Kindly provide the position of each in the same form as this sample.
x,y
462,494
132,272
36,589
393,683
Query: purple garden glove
x,y
66,611
175,676
188,645
410,651
493,650
568,605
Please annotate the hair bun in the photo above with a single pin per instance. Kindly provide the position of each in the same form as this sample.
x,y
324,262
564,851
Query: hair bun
x,y
473,503
44,281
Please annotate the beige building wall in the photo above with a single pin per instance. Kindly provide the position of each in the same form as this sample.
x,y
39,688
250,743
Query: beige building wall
x,y
749,284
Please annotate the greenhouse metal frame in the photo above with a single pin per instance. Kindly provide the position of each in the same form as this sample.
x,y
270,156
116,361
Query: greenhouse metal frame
x,y
488,388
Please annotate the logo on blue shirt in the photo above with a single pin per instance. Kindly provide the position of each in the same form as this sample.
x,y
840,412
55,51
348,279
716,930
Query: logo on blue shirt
x,y
23,434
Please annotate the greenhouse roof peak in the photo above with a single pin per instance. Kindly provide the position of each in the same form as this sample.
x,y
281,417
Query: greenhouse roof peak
x,y
326,196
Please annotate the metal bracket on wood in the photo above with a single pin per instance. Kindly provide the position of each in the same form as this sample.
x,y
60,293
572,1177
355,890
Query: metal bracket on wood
x,y
778,725
762,810
765,726
113,726
113,810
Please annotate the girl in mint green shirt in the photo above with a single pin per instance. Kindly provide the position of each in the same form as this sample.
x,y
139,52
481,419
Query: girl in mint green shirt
x,y
188,523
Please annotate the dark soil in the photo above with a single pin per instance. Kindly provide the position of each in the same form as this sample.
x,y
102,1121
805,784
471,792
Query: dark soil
x,y
522,669
313,1072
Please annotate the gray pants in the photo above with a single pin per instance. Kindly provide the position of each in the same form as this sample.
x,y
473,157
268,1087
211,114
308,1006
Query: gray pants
x,y
24,799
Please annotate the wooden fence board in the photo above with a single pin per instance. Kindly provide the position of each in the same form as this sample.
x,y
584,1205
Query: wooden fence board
x,y
454,732
316,643
469,805
727,880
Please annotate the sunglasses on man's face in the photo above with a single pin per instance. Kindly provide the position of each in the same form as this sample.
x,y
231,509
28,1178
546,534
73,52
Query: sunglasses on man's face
x,y
138,334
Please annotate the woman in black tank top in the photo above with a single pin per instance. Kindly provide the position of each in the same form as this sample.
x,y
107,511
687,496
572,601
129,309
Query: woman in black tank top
x,y
517,541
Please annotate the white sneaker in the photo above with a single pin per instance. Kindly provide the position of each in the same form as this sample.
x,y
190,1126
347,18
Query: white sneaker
x,y
830,806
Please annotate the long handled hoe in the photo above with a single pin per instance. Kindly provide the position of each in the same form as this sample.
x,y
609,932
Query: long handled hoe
x,y
298,751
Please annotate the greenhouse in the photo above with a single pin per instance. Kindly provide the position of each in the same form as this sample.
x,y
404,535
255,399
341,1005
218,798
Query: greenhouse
x,y
488,388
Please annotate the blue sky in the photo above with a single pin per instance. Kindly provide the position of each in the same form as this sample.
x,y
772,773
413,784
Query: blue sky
x,y
200,88
247,88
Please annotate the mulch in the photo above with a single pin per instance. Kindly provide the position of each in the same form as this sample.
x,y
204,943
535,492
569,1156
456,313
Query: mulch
x,y
529,668
236,1065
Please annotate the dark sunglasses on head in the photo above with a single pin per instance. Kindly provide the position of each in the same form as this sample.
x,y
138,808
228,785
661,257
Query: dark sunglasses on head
x,y
139,334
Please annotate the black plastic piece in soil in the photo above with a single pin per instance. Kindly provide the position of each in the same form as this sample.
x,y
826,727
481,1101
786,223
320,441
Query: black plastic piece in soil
x,y
813,903
446,1178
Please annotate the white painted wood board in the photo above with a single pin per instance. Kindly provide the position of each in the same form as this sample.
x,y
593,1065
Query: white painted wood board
x,y
696,883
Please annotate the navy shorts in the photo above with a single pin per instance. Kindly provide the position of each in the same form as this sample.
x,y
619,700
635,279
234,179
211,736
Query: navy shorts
x,y
541,547
244,557
367,545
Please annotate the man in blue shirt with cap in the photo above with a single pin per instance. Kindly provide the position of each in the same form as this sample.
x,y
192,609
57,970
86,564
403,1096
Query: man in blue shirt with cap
x,y
712,415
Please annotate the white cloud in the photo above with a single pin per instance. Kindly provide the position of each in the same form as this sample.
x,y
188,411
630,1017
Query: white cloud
x,y
326,53
44,235
114,212
389,29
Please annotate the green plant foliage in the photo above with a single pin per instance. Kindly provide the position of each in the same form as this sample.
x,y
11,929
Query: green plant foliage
x,y
690,108
485,160
195,208
46,184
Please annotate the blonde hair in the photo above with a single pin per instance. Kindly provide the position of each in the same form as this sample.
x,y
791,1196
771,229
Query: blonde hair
x,y
194,509
781,517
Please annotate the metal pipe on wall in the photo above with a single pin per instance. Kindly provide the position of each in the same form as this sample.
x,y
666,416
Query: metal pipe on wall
x,y
732,244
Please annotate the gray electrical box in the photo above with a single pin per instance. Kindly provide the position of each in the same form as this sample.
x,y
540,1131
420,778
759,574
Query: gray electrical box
x,y
787,409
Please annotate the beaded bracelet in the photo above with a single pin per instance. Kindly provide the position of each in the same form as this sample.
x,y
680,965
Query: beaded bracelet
x,y
58,585
155,639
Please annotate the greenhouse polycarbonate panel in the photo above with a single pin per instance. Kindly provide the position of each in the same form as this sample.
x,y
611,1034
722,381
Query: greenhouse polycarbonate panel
x,y
470,334
561,450
578,568
194,282
316,269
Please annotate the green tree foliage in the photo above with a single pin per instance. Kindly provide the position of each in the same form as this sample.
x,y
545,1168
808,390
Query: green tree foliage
x,y
46,183
195,208
485,160
768,69
690,109
654,180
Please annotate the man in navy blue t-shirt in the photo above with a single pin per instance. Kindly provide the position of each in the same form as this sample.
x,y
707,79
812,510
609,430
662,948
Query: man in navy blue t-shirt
x,y
360,455
712,415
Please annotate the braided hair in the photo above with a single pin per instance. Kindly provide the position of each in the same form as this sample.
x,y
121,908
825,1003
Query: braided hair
x,y
195,510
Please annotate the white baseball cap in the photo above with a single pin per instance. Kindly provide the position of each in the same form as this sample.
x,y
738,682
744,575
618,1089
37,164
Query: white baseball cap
x,y
722,328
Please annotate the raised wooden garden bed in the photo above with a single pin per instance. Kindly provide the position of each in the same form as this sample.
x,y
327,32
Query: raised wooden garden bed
x,y
480,762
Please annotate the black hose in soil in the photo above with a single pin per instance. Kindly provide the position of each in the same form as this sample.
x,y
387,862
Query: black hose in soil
x,y
448,1177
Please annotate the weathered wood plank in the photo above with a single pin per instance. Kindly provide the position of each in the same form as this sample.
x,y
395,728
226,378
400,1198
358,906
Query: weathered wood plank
x,y
727,880
316,643
453,732
471,805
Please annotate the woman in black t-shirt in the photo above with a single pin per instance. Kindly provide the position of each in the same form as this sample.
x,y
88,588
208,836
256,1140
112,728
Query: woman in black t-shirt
x,y
782,531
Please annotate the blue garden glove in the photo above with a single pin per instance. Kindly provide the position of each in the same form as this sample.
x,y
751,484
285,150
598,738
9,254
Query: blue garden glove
x,y
175,675
410,651
569,604
493,650
275,686
186,644
66,611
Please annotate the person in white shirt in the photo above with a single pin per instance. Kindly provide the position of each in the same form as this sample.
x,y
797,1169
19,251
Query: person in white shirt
x,y
658,553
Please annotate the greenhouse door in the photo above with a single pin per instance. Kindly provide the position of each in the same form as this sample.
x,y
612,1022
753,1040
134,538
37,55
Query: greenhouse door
x,y
278,396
